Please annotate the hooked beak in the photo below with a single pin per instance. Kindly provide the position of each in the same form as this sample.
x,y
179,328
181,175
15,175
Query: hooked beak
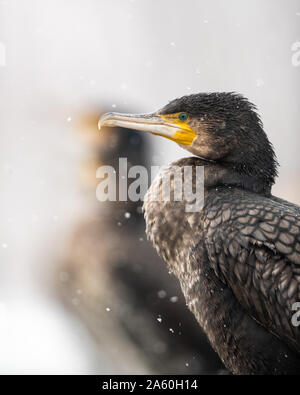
x,y
155,124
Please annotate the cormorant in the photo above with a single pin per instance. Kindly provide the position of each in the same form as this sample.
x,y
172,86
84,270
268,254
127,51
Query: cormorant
x,y
107,276
238,258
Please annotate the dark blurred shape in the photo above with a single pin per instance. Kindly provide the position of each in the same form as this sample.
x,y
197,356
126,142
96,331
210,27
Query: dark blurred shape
x,y
115,282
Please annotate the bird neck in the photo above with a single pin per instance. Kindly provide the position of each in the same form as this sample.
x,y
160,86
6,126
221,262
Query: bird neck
x,y
243,155
237,175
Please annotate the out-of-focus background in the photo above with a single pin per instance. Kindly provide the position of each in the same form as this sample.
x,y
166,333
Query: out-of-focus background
x,y
81,291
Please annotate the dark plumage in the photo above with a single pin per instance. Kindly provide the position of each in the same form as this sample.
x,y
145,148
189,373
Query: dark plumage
x,y
111,266
238,259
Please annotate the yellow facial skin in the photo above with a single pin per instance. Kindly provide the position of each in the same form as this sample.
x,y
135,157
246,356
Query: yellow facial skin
x,y
185,135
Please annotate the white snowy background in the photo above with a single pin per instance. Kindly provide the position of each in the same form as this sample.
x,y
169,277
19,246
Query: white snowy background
x,y
57,57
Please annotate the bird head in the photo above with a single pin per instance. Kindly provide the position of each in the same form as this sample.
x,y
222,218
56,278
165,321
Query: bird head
x,y
222,127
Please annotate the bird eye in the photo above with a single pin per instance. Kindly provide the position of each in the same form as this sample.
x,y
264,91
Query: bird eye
x,y
183,116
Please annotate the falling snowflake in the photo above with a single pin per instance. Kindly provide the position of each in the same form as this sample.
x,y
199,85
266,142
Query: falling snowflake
x,y
162,294
260,82
174,299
